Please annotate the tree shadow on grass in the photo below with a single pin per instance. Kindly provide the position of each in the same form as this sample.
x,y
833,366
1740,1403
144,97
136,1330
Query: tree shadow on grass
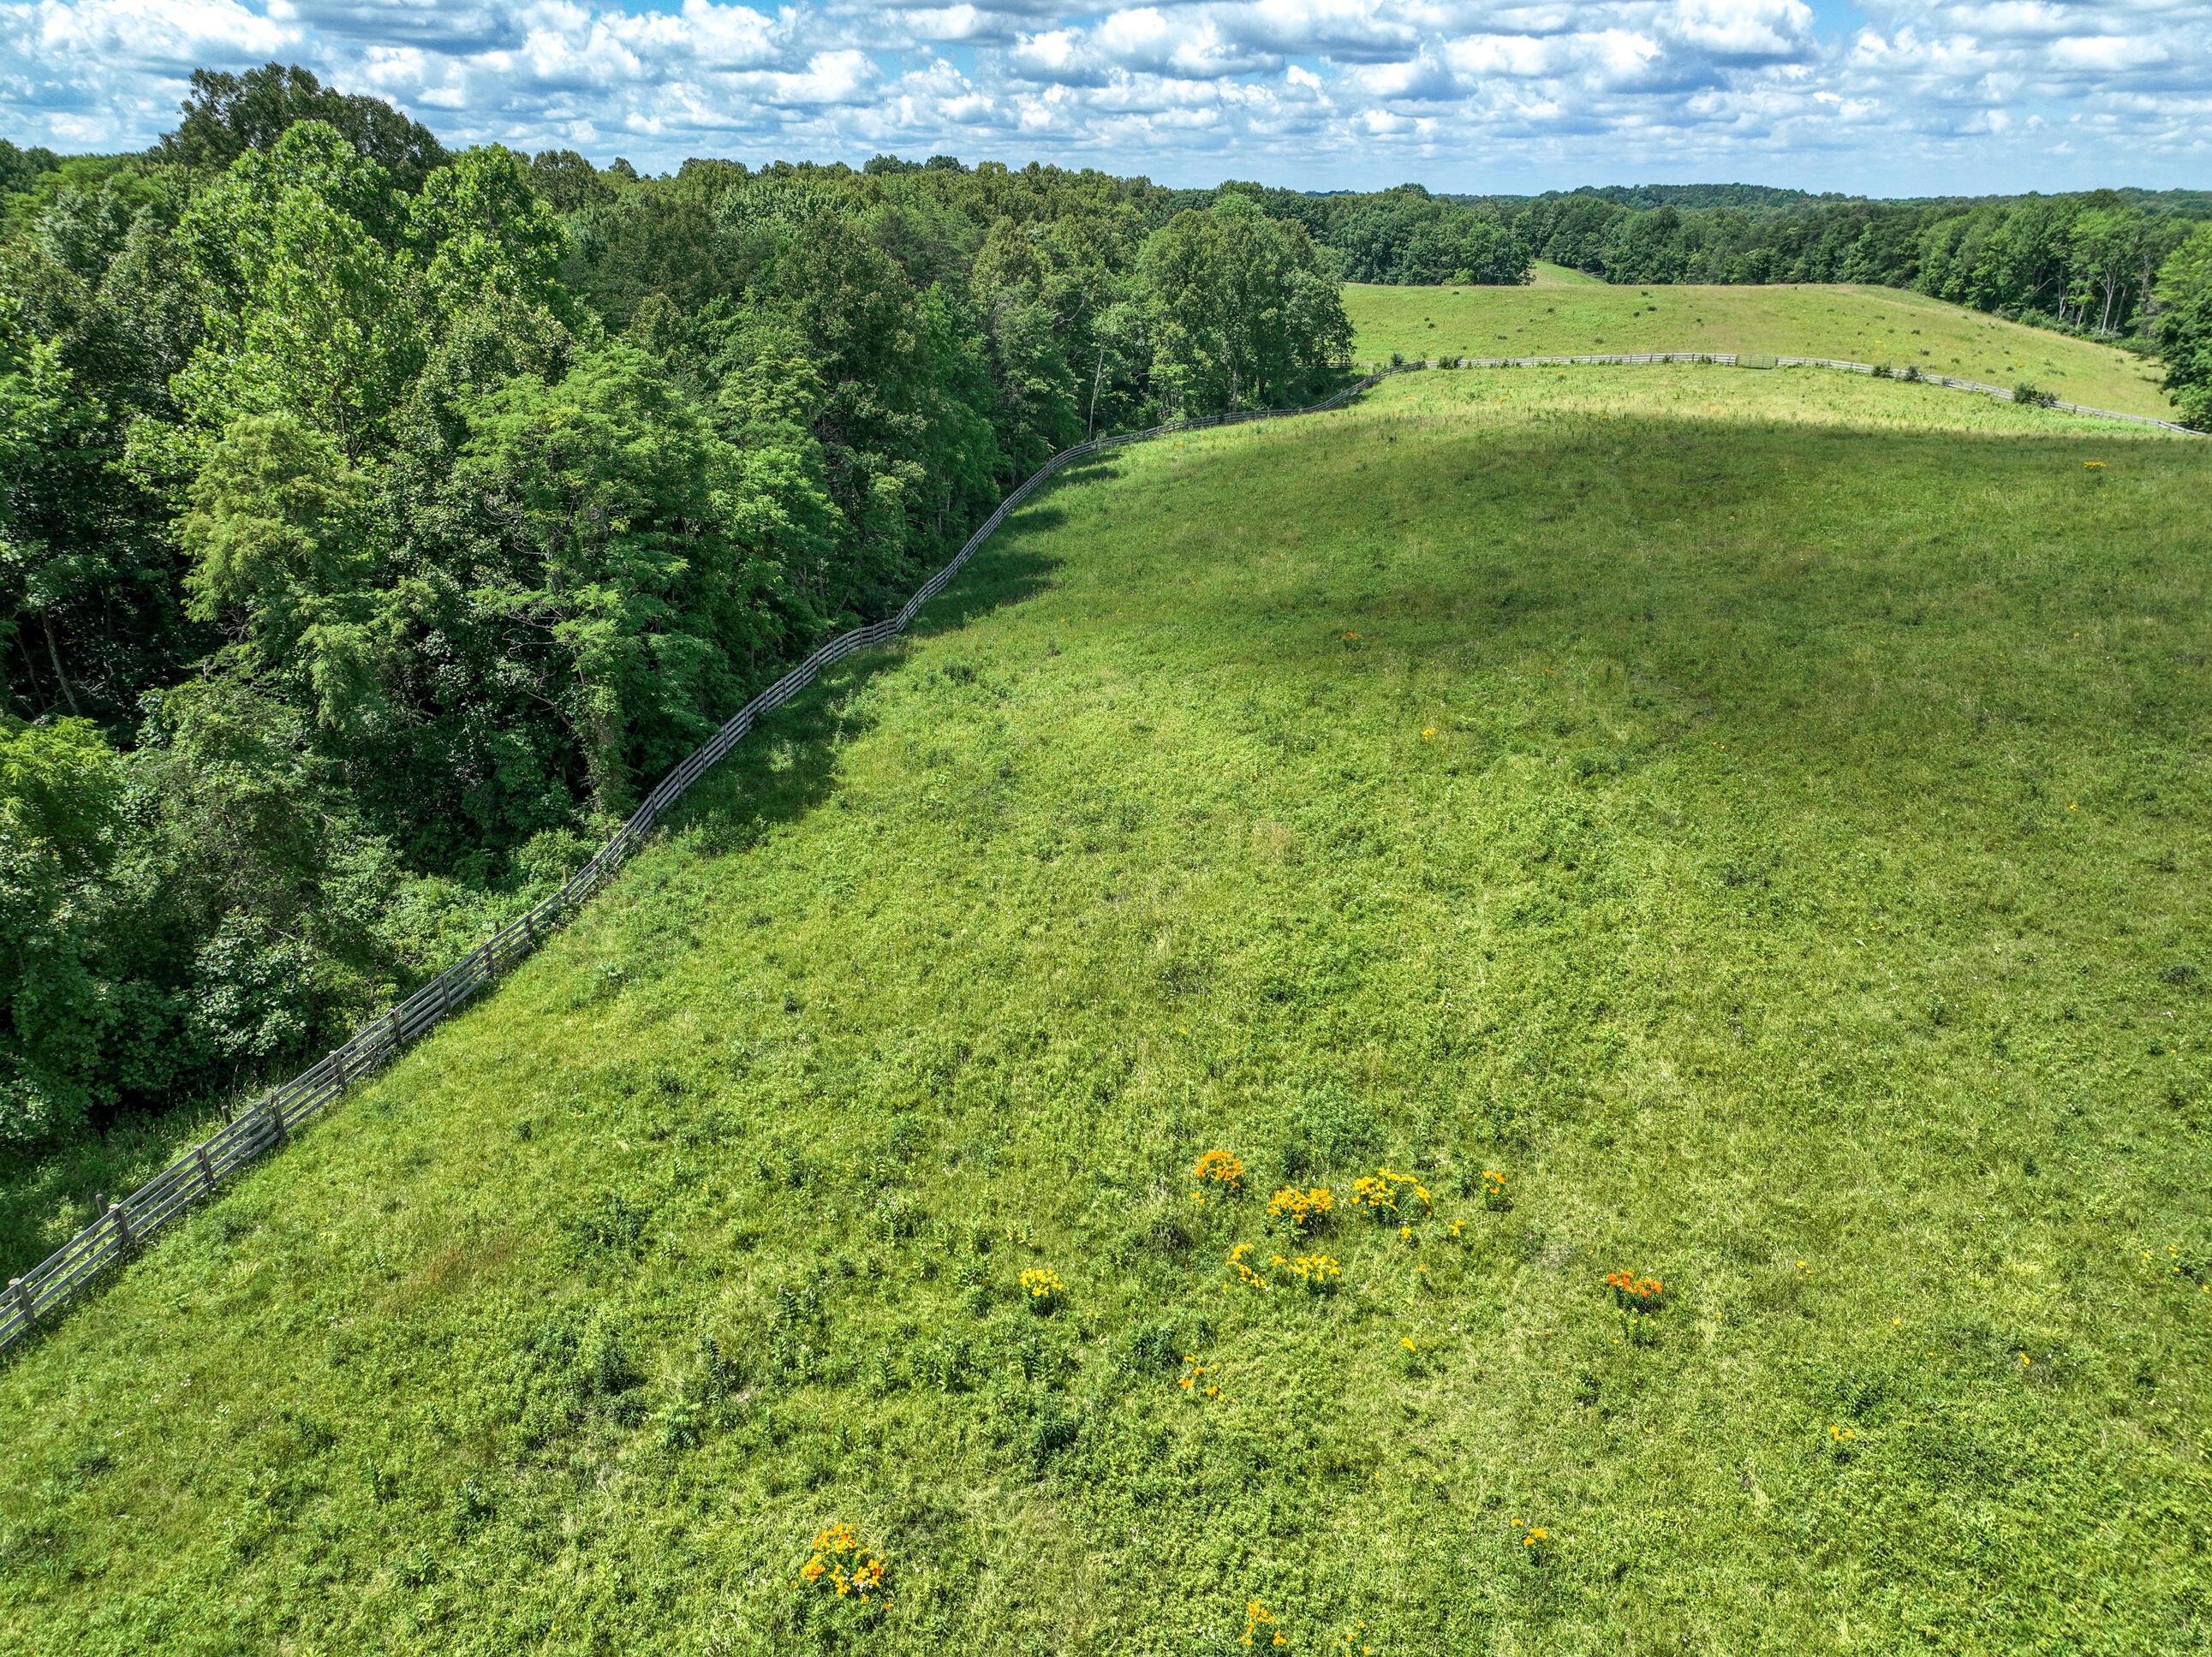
x,y
1093,469
787,764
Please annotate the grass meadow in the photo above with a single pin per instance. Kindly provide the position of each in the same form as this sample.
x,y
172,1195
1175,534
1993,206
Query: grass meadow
x,y
1543,274
1563,311
1745,836
45,1195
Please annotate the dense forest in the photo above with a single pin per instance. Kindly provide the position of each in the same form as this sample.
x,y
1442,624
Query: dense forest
x,y
377,520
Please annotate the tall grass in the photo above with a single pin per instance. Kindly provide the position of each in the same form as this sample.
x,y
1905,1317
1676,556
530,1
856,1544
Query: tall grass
x,y
1746,832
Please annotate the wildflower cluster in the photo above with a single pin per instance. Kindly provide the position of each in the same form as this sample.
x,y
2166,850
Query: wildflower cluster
x,y
1532,1536
1632,1293
1218,1171
2190,1268
1318,1273
1389,1196
1043,1287
1245,1274
1355,1639
842,1566
1302,1210
1258,1617
1192,1371
1493,1191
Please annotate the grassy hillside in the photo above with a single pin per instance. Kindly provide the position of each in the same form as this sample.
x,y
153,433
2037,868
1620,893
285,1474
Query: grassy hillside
x,y
1761,819
46,1195
1859,324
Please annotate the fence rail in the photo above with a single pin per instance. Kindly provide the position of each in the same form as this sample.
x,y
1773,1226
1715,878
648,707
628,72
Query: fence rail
x,y
1732,359
39,1294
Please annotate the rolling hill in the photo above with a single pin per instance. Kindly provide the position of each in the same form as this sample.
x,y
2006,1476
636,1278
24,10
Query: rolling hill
x,y
1563,311
1748,831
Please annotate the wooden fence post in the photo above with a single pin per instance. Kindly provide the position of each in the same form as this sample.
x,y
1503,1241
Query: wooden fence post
x,y
21,1295
121,1216
207,1171
277,1116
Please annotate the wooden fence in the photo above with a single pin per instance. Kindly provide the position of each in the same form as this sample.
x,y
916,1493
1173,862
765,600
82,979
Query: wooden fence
x,y
1747,358
39,1296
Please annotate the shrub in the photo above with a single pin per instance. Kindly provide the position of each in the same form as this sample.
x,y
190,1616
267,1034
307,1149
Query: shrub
x,y
1160,1235
1151,1346
1319,1273
2029,395
898,1216
1495,1197
1042,1285
1389,1196
1258,1619
1635,1293
842,1568
603,1368
1244,1273
1219,1172
1301,1210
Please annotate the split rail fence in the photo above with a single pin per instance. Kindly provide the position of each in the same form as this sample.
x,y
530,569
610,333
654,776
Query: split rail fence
x,y
39,1296
1759,360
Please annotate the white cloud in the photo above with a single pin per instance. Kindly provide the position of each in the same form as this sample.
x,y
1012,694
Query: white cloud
x,y
2107,54
1911,96
148,33
1741,31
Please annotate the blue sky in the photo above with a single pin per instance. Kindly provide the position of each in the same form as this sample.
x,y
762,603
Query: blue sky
x,y
1880,97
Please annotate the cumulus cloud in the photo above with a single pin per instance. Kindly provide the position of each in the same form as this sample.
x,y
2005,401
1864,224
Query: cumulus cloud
x,y
1893,95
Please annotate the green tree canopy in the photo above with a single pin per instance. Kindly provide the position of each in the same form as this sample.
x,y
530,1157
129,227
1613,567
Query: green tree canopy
x,y
2185,292
226,115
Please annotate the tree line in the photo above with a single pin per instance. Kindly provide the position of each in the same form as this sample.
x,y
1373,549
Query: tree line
x,y
2124,265
376,521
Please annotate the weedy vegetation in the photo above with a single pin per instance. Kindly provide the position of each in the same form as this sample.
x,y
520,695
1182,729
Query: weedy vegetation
x,y
1749,833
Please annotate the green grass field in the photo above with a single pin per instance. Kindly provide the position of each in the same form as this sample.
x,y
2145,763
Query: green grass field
x,y
1563,311
45,1195
1764,818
